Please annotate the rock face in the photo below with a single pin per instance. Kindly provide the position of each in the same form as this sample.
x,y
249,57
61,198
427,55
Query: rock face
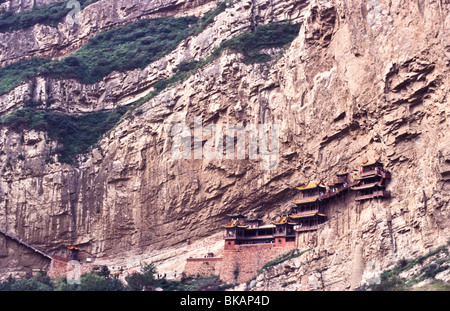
x,y
363,80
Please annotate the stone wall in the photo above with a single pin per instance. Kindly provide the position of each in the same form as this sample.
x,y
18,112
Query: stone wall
x,y
240,263
203,266
60,267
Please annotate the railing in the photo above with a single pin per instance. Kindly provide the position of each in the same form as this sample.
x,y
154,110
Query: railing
x,y
338,191
306,228
341,180
376,170
380,193
313,211
283,234
250,237
18,240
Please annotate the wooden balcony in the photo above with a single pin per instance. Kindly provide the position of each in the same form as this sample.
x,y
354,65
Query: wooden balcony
x,y
283,234
307,228
376,171
337,191
312,212
375,194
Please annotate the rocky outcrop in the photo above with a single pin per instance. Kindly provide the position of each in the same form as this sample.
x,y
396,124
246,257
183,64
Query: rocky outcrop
x,y
47,41
122,88
363,80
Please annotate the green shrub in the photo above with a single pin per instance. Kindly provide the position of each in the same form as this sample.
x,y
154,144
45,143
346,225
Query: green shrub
x,y
30,285
187,66
14,74
7,284
93,282
50,14
144,280
289,255
193,283
123,48
138,44
76,133
389,281
273,35
39,282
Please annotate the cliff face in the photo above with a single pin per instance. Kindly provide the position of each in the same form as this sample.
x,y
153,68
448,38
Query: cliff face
x,y
363,80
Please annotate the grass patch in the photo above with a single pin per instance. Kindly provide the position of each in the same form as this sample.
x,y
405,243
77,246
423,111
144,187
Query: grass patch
x,y
248,43
120,49
50,14
289,255
193,283
438,286
125,48
273,35
76,134
14,74
390,280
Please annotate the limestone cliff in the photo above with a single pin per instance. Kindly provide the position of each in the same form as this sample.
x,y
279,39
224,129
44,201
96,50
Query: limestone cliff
x,y
363,80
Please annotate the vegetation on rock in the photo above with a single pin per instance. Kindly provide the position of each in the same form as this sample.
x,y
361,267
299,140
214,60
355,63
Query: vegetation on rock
x,y
50,14
103,280
76,134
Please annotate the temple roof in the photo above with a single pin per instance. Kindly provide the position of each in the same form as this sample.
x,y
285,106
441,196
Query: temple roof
x,y
368,163
311,185
235,223
282,221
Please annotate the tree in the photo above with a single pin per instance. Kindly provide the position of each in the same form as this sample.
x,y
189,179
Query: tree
x,y
142,281
93,282
30,285
104,272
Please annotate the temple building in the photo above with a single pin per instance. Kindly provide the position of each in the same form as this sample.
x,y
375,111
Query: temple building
x,y
284,231
247,231
250,244
372,182
234,232
309,211
340,183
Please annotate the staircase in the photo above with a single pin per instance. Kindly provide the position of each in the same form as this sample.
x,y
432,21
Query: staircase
x,y
340,190
18,240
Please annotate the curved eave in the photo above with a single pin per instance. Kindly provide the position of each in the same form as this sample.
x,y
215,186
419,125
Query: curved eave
x,y
306,201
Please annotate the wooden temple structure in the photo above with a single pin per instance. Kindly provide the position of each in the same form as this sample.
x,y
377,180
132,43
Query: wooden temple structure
x,y
246,231
372,182
308,212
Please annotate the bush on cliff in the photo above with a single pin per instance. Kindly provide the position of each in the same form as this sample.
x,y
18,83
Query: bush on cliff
x,y
50,14
76,134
